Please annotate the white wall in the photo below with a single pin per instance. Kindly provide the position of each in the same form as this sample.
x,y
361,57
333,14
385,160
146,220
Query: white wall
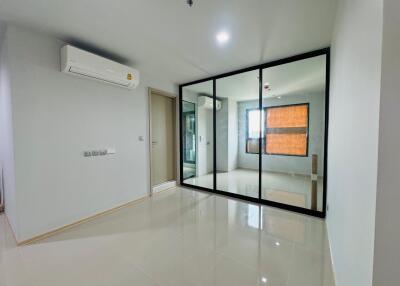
x,y
227,136
55,118
222,138
233,131
6,135
205,142
287,164
353,139
387,231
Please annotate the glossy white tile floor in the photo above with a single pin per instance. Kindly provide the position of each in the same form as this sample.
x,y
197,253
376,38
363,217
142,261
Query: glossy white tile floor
x,y
280,187
178,237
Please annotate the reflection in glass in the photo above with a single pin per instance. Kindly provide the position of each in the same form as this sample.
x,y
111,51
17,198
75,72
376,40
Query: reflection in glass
x,y
197,134
189,138
293,133
254,216
237,134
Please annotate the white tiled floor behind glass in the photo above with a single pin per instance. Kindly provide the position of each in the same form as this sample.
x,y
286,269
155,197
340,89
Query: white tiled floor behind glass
x,y
285,188
178,237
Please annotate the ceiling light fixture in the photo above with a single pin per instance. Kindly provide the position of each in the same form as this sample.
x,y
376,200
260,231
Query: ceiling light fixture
x,y
277,243
264,280
222,37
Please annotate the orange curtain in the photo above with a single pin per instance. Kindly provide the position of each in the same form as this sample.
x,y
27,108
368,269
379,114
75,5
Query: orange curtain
x,y
288,136
288,116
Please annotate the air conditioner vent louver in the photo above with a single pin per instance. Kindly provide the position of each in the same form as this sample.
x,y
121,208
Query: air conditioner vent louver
x,y
95,76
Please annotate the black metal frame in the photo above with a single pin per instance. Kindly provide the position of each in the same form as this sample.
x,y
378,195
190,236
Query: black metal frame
x,y
259,200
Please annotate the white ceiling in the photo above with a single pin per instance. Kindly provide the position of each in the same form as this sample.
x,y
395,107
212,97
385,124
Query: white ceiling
x,y
169,40
300,77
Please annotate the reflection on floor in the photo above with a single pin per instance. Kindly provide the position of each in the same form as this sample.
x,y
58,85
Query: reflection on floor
x,y
177,237
189,171
280,187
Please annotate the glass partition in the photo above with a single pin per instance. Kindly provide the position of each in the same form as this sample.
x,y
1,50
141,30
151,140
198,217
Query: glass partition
x,y
260,133
237,133
197,134
189,138
293,102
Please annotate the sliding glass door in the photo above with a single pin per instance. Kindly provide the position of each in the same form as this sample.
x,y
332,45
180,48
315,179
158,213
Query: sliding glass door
x,y
294,132
189,129
259,134
237,134
197,136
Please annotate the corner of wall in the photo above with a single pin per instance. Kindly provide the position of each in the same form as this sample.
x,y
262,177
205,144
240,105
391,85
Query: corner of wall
x,y
7,168
353,143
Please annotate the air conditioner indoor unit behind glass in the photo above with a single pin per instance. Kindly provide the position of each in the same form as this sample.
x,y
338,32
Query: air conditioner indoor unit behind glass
x,y
81,63
207,102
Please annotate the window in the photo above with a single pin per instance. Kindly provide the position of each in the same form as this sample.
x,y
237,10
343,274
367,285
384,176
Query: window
x,y
286,130
253,130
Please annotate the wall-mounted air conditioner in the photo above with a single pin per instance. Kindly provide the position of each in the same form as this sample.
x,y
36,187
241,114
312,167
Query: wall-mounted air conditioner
x,y
207,102
84,64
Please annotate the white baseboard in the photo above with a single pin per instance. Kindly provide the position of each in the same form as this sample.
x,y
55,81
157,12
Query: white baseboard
x,y
164,186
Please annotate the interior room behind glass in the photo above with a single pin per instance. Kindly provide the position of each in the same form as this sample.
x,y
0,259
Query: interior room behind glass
x,y
280,119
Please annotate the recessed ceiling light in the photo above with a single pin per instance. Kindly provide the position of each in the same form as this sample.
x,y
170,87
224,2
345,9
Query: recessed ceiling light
x,y
264,280
277,243
222,37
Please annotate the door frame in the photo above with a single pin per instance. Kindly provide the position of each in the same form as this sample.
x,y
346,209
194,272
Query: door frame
x,y
172,183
